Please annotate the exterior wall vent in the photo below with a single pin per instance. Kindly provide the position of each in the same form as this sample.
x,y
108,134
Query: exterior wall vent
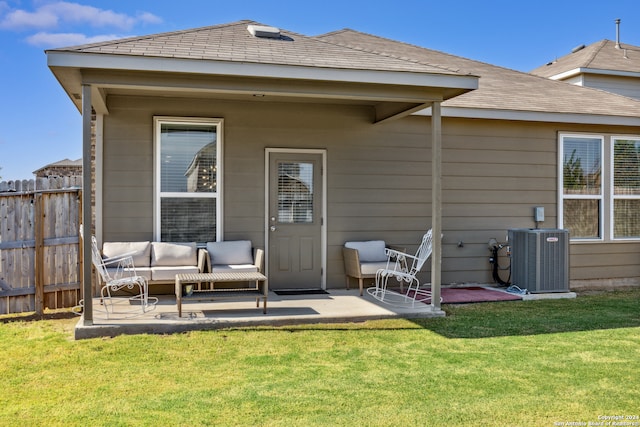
x,y
540,259
264,31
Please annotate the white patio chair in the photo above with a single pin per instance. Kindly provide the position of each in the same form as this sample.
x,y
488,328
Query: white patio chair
x,y
119,274
403,268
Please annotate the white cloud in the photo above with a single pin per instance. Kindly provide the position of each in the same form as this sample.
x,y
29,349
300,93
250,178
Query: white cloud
x,y
77,13
20,19
149,18
52,15
45,39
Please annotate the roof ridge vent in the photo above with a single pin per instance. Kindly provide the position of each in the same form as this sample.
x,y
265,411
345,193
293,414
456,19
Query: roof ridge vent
x,y
264,31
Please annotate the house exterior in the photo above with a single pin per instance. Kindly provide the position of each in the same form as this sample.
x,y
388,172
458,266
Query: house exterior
x,y
348,136
63,167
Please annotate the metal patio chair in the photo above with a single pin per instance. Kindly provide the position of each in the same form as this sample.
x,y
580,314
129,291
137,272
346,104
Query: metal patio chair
x,y
119,274
403,268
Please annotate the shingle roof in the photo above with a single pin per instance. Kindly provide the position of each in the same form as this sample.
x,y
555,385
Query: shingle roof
x,y
65,163
499,88
233,42
602,55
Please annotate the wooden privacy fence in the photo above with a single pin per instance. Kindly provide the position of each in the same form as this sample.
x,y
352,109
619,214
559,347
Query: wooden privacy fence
x,y
39,245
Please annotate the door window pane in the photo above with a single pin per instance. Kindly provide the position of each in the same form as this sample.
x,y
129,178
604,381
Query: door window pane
x,y
295,192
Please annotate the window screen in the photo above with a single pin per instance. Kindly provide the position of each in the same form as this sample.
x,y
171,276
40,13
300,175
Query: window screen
x,y
626,188
188,158
582,186
582,165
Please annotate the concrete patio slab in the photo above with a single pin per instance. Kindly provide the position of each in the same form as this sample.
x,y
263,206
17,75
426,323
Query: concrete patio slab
x,y
337,306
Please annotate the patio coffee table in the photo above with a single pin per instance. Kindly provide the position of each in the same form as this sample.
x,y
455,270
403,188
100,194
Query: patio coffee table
x,y
259,290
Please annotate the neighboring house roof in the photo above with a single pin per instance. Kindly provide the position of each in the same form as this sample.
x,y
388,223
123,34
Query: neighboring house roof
x,y
602,57
505,93
66,163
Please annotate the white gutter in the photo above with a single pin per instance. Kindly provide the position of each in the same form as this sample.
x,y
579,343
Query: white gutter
x,y
577,71
533,116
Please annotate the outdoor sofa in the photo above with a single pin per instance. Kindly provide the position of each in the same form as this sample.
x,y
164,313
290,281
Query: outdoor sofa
x,y
159,262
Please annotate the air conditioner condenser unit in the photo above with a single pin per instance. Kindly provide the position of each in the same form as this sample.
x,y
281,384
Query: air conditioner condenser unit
x,y
540,259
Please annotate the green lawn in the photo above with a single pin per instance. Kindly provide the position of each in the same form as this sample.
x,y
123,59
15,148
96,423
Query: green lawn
x,y
539,363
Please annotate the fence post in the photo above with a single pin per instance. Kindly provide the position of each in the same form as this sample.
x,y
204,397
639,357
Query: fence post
x,y
39,253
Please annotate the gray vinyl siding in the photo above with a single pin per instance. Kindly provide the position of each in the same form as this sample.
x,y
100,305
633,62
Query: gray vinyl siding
x,y
494,172
127,173
626,86
378,176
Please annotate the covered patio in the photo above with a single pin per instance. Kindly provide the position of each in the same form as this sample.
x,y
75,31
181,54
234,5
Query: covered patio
x,y
263,69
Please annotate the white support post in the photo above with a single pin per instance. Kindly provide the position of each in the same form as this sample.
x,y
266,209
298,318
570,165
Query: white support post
x,y
98,156
436,203
87,290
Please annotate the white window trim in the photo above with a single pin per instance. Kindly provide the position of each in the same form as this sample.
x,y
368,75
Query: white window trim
x,y
562,196
158,121
607,196
613,197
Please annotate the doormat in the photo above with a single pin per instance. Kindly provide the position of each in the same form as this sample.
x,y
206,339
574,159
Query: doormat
x,y
475,294
299,292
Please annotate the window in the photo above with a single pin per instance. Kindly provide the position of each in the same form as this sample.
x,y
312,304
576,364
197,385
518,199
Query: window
x,y
626,188
582,186
188,179
295,192
600,187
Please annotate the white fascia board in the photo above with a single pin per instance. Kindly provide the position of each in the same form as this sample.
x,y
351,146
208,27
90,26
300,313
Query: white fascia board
x,y
577,71
566,74
534,116
250,69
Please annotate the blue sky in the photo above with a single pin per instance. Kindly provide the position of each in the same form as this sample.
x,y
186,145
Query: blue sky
x,y
39,124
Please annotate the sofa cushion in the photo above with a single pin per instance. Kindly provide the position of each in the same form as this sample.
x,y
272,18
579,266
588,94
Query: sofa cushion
x,y
173,254
140,271
369,251
230,253
139,251
236,268
169,272
370,268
